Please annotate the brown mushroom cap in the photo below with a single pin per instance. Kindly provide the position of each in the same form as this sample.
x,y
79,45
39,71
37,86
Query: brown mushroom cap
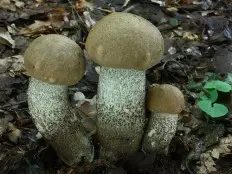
x,y
165,98
126,41
55,59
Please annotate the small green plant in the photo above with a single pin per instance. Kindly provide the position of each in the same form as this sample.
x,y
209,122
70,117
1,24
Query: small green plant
x,y
209,96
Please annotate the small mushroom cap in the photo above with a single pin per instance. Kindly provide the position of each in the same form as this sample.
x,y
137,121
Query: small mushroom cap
x,y
55,59
126,41
165,98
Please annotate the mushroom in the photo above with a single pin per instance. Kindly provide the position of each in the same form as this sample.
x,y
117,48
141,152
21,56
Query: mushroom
x,y
54,62
125,45
165,103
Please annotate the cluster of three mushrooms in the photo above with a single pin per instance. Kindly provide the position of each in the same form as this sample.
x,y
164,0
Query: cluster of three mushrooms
x,y
125,45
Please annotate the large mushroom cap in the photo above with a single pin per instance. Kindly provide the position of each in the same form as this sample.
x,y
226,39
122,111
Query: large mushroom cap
x,y
55,59
124,40
165,98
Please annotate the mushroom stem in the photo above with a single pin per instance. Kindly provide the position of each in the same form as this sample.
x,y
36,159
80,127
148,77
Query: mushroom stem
x,y
161,129
121,111
58,122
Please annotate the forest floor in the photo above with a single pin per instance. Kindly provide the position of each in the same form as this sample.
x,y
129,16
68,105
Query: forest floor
x,y
198,50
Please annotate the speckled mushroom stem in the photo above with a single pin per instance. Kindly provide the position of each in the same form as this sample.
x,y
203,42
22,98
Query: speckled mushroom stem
x,y
161,129
121,111
58,122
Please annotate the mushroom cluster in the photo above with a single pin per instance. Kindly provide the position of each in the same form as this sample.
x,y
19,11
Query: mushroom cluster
x,y
125,45
54,62
128,47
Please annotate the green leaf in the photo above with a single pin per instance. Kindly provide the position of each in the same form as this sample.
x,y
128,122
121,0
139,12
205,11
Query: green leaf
x,y
209,94
209,85
215,110
203,96
218,85
219,110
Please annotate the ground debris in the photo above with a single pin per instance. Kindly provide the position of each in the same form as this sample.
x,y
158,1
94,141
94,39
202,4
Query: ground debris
x,y
11,5
207,162
197,38
5,38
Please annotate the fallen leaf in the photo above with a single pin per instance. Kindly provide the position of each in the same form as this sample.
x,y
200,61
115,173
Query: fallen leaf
x,y
17,63
5,38
207,160
11,4
12,64
12,29
215,154
3,125
4,65
36,28
19,4
14,134
7,4
190,36
80,5
56,19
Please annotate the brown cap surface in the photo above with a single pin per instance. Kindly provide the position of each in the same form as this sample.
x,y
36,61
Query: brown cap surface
x,y
124,40
55,59
165,98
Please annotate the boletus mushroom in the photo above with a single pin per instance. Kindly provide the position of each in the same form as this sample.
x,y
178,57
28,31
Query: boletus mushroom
x,y
165,103
54,62
125,45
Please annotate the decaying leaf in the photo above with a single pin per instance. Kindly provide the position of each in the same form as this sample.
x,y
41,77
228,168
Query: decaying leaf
x,y
11,4
17,63
207,164
18,3
207,160
80,5
12,29
56,19
36,28
190,36
14,134
3,125
13,64
5,38
7,4
215,154
4,65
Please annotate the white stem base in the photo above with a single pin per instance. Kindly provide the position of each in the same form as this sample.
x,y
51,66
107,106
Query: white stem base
x,y
121,111
58,122
160,131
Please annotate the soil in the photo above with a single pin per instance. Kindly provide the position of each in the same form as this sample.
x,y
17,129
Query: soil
x,y
198,46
